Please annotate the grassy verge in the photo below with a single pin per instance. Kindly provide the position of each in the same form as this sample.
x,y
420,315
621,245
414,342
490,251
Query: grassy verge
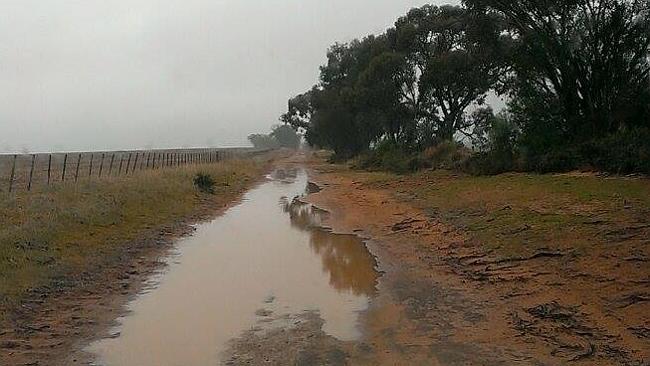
x,y
517,214
62,231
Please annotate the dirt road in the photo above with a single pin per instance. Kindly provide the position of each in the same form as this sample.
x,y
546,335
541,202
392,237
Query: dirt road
x,y
446,297
450,291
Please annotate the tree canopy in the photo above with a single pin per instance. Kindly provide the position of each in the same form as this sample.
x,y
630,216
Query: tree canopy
x,y
572,72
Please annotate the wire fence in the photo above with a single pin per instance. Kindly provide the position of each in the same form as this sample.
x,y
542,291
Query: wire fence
x,y
28,171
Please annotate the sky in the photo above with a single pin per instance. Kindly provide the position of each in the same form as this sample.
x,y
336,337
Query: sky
x,y
131,74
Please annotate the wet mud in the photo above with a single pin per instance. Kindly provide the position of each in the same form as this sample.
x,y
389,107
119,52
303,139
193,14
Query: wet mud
x,y
265,266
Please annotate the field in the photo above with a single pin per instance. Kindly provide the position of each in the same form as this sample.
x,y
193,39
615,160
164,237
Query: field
x,y
49,168
52,236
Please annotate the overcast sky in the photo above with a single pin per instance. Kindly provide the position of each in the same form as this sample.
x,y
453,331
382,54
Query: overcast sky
x,y
126,74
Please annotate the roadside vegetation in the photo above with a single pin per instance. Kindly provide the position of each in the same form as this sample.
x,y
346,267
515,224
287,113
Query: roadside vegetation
x,y
280,136
516,215
54,236
574,77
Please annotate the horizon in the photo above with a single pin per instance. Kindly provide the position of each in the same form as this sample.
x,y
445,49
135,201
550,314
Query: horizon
x,y
143,74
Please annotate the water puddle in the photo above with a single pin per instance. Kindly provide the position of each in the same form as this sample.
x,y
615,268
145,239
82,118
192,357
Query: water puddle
x,y
266,255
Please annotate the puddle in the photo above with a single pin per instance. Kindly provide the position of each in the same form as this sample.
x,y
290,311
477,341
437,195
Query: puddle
x,y
268,255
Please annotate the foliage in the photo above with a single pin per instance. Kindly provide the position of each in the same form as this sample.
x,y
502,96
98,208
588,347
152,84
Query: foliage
x,y
389,156
580,68
286,136
204,183
445,155
626,151
263,142
411,85
575,75
280,136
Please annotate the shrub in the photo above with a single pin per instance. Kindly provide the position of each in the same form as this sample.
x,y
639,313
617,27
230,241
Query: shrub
x,y
626,151
389,156
204,183
445,155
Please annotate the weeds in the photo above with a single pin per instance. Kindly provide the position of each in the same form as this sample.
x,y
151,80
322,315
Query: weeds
x,y
65,230
204,183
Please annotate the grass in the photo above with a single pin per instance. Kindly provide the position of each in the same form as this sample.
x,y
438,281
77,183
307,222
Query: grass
x,y
517,214
65,230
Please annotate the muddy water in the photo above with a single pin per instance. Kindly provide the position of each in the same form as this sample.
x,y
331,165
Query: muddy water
x,y
266,253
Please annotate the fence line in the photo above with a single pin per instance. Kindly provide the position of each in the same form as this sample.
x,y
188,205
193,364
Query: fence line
x,y
27,171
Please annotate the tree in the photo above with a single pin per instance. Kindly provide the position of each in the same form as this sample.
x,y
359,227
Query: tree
x,y
300,111
586,59
286,136
263,142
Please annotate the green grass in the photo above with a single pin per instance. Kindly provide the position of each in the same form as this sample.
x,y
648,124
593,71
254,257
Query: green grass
x,y
517,214
66,230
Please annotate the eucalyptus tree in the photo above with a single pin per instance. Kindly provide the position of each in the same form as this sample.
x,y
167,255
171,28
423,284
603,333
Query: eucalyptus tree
x,y
581,66
453,60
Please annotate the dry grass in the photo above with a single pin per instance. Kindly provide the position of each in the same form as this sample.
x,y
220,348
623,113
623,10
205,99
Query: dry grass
x,y
51,233
516,214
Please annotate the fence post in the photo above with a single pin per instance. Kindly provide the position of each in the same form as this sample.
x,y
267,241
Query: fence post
x,y
135,163
101,165
65,163
153,163
148,159
49,169
76,173
13,173
31,173
119,170
128,164
90,168
110,167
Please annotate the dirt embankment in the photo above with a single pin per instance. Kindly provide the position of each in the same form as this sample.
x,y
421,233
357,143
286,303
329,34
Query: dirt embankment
x,y
508,270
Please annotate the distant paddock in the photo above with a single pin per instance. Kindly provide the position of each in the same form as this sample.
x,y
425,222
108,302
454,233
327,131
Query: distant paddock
x,y
30,171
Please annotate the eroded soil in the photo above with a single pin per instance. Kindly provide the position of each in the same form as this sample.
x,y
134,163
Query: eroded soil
x,y
450,296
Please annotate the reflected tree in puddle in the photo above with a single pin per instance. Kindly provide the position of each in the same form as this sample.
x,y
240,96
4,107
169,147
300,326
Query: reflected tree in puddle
x,y
344,257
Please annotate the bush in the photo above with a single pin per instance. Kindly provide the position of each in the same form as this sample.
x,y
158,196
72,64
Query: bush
x,y
204,183
627,151
391,157
555,161
445,155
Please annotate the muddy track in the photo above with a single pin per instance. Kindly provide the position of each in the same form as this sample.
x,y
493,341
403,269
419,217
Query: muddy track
x,y
444,299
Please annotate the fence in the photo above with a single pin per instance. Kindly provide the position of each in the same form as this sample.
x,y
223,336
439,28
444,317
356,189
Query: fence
x,y
26,171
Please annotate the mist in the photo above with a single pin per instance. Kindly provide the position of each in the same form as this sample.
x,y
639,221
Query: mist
x,y
99,75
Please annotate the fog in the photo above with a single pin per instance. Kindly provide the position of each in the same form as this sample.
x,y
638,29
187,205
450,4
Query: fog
x,y
125,74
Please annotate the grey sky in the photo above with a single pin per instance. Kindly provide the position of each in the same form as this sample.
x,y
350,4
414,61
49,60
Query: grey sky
x,y
98,74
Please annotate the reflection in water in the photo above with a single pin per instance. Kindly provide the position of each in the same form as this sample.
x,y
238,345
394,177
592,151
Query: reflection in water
x,y
349,265
287,175
230,268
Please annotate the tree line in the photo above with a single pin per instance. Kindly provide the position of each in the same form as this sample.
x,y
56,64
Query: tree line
x,y
574,75
280,136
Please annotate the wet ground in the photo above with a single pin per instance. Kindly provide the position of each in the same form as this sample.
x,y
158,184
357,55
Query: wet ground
x,y
266,284
264,266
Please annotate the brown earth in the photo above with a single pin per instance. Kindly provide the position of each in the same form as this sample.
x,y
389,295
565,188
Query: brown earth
x,y
447,298
450,296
